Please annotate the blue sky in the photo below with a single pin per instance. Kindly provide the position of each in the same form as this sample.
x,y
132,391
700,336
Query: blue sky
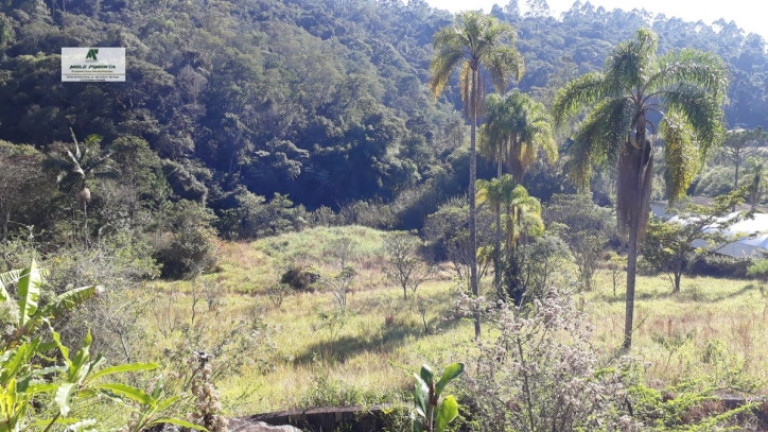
x,y
748,14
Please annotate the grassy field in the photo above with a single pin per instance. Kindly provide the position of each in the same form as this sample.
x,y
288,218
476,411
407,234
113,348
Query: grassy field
x,y
302,352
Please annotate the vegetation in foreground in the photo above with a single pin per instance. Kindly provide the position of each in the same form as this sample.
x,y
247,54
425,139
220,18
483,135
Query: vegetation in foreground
x,y
271,347
707,337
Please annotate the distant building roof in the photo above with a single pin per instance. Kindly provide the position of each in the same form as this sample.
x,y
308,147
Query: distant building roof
x,y
758,224
746,248
752,233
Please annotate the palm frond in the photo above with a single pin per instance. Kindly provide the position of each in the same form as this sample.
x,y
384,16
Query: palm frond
x,y
632,62
6,279
576,95
692,67
702,111
503,62
476,40
442,67
77,154
598,139
580,160
681,155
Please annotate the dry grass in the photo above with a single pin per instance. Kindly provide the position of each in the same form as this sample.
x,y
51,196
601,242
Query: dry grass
x,y
712,330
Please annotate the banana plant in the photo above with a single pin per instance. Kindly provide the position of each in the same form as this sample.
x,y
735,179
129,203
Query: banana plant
x,y
431,414
30,316
82,376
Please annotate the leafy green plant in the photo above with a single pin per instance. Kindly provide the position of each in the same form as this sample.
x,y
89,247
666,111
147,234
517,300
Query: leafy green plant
x,y
759,269
689,406
23,381
29,391
27,315
153,407
333,320
432,414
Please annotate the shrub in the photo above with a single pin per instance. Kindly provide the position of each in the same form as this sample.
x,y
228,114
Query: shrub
x,y
543,374
544,261
327,391
299,279
759,269
720,266
370,214
586,231
324,216
184,244
404,265
687,407
40,382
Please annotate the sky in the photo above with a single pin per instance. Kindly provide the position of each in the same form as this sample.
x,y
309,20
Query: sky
x,y
750,15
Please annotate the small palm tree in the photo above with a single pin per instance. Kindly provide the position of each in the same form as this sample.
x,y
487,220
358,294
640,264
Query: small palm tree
x,y
475,41
516,128
76,168
521,218
684,89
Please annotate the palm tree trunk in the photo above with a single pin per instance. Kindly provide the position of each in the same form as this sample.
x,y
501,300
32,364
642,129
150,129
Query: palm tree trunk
x,y
735,184
638,190
85,223
6,221
631,276
497,257
472,210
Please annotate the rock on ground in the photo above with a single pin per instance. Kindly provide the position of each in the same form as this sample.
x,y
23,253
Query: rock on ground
x,y
240,425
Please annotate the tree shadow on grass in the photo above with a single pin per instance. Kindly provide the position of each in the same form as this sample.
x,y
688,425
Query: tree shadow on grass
x,y
392,336
621,298
694,298
684,296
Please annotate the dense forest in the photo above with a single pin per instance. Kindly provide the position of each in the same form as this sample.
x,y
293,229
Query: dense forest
x,y
277,114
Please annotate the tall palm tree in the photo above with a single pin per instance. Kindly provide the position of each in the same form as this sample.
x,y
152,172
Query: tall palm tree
x,y
475,41
516,128
521,218
76,167
685,90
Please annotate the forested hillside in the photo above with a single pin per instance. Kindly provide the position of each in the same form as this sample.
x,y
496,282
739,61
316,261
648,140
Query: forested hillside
x,y
230,103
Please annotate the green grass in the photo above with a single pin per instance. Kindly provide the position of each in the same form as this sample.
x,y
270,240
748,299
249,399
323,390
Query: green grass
x,y
252,267
712,330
